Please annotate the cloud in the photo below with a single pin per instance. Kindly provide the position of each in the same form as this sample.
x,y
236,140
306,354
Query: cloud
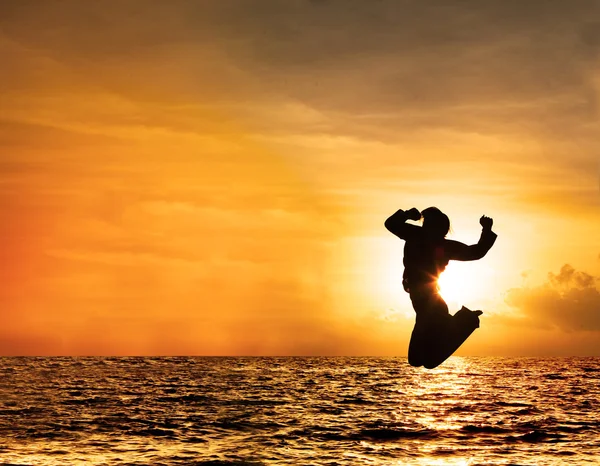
x,y
215,153
414,61
425,60
494,76
568,300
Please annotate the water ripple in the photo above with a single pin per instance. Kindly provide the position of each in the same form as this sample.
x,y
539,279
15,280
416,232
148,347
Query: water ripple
x,y
321,411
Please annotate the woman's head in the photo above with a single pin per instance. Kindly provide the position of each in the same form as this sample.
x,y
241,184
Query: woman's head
x,y
435,222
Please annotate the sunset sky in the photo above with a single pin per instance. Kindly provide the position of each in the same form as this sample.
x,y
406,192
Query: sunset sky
x,y
211,178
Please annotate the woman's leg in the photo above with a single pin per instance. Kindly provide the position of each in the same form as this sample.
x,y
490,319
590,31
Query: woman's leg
x,y
430,328
436,334
416,347
440,337
449,334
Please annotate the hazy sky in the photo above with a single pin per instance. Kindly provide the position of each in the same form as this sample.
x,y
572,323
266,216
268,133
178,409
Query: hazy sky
x,y
210,178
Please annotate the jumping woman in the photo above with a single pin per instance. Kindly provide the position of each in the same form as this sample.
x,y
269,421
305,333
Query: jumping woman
x,y
436,334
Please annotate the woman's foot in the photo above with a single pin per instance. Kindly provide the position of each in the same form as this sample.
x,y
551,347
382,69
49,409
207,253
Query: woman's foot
x,y
477,313
468,315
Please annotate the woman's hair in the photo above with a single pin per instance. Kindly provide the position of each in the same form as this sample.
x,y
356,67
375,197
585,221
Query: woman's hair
x,y
435,222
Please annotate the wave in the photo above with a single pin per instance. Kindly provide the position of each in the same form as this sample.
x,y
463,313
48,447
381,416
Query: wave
x,y
483,429
310,411
385,434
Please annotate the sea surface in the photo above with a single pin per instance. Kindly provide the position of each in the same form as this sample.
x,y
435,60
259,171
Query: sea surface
x,y
298,411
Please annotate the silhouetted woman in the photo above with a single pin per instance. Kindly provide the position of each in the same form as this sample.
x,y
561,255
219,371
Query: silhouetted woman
x,y
437,334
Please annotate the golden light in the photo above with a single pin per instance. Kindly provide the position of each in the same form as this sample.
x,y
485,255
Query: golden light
x,y
378,268
453,287
466,283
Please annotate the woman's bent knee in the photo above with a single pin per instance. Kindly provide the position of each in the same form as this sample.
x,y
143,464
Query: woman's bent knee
x,y
414,361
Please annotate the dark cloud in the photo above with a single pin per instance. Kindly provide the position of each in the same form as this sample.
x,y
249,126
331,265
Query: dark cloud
x,y
406,55
569,300
396,72
387,71
399,54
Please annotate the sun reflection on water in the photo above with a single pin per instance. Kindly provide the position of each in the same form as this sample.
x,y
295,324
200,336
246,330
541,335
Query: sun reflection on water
x,y
272,411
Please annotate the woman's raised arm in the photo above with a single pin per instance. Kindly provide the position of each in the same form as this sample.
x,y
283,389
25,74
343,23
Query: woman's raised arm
x,y
397,225
461,252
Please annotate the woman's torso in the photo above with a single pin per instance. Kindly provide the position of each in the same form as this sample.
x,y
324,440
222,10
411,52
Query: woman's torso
x,y
424,260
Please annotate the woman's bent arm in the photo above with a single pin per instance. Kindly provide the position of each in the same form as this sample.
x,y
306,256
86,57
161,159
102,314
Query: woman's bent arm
x,y
461,252
397,225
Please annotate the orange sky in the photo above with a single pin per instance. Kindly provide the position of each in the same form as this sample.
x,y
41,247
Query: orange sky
x,y
211,178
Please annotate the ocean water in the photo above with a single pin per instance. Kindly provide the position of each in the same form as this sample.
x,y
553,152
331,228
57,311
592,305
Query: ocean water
x,y
298,411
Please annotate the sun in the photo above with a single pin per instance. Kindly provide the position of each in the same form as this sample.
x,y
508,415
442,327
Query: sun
x,y
453,287
463,283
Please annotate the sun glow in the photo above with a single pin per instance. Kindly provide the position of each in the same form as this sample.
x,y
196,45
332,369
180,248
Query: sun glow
x,y
466,283
453,288
379,274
